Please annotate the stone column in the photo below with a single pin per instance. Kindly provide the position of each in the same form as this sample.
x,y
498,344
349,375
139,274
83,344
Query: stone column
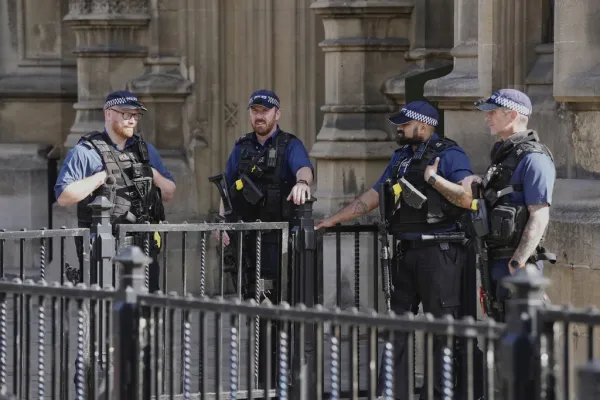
x,y
574,230
456,91
365,44
38,85
168,123
111,46
430,46
37,72
163,89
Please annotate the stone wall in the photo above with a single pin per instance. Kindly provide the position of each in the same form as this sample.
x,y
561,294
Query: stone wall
x,y
339,68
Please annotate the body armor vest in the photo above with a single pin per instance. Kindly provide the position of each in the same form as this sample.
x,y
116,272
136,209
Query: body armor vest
x,y
507,220
264,169
135,198
437,213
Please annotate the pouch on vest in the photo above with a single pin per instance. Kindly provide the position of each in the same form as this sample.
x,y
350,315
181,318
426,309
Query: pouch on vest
x,y
251,192
506,224
476,222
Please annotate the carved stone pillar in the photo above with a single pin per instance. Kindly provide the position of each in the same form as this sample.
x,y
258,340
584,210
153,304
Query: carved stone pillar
x,y
365,44
456,91
111,45
430,46
37,72
38,85
574,230
163,89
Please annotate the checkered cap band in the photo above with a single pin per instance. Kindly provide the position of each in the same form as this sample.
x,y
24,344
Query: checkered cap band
x,y
419,117
510,104
119,101
268,99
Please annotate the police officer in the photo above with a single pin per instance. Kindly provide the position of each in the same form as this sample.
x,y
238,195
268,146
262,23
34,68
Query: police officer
x,y
141,180
427,272
119,164
517,189
267,170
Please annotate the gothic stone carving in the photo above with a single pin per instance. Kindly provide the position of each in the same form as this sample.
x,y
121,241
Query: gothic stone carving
x,y
118,7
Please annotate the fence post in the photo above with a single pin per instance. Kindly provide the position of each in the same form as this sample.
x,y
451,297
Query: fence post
x,y
126,328
305,286
520,342
103,250
588,381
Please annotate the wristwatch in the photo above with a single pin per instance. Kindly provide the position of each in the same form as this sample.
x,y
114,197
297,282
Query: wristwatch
x,y
302,181
515,264
432,179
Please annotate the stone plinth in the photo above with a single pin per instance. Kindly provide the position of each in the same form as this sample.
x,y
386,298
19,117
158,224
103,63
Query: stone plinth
x,y
23,201
111,45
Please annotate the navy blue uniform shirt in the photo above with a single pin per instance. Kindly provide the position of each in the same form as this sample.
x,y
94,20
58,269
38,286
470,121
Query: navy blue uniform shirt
x,y
82,162
536,172
454,166
296,157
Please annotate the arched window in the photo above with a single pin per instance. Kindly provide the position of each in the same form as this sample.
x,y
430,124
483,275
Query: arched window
x,y
548,21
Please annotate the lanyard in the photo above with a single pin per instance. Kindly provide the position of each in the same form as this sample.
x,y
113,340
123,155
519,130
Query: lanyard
x,y
405,164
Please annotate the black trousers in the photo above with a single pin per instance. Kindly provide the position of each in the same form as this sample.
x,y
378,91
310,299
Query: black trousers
x,y
431,275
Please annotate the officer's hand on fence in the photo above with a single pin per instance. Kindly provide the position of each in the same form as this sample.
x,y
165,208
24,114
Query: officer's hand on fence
x,y
432,169
300,192
215,236
325,223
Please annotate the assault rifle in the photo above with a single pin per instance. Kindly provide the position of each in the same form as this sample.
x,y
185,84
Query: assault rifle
x,y
477,228
384,196
230,255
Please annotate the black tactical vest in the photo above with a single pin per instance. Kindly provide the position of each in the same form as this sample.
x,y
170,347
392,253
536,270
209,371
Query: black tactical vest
x,y
507,220
505,158
264,168
437,213
133,194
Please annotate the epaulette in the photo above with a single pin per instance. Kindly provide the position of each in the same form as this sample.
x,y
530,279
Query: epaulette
x,y
247,136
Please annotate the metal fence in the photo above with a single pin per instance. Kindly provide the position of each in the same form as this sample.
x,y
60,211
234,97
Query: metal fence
x,y
522,358
329,341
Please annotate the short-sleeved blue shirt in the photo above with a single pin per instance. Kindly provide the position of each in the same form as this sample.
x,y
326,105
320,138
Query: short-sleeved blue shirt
x,y
82,162
296,157
536,173
454,164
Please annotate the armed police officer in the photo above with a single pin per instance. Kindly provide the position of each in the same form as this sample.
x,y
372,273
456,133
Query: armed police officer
x,y
267,172
427,267
517,193
119,164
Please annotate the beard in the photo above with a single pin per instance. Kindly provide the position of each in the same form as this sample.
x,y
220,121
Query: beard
x,y
124,132
263,127
402,140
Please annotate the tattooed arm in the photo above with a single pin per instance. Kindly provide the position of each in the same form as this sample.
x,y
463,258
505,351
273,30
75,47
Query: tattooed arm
x,y
539,215
365,203
459,194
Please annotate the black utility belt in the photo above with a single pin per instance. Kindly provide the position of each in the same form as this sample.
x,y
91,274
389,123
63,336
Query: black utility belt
x,y
406,244
541,254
